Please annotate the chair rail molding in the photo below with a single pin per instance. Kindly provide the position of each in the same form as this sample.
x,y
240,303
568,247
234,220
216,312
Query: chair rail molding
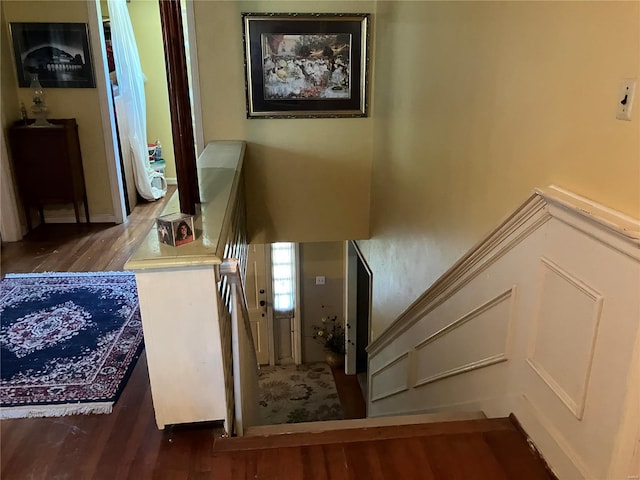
x,y
542,315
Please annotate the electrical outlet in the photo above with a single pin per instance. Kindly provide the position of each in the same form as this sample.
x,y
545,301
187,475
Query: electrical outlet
x,y
625,99
320,280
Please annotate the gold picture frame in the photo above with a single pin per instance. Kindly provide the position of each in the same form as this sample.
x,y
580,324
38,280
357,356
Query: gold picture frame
x,y
306,65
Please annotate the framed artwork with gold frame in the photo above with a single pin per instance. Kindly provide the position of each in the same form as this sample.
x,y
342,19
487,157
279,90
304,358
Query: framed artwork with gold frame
x,y
306,65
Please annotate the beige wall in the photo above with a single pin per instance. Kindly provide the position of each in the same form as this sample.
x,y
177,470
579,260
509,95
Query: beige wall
x,y
476,104
307,179
325,259
10,208
8,81
79,103
145,19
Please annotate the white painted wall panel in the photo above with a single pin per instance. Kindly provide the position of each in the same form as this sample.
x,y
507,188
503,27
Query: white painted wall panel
x,y
391,379
567,331
182,342
564,334
448,352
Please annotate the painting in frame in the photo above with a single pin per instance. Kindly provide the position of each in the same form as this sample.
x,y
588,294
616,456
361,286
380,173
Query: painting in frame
x,y
310,65
57,52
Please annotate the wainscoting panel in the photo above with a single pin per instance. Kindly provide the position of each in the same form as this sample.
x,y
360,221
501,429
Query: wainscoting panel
x,y
463,345
391,379
564,334
550,303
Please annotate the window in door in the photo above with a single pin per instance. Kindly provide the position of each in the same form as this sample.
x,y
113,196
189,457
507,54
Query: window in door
x,y
283,272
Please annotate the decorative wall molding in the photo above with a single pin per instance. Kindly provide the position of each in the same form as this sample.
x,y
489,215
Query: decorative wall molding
x,y
552,322
567,321
531,215
624,226
613,228
476,363
69,217
402,387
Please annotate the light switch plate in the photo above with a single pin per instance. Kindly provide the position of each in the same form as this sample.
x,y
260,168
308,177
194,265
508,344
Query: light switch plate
x,y
625,99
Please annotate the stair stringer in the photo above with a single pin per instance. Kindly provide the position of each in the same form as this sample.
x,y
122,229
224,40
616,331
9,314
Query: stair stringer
x,y
539,319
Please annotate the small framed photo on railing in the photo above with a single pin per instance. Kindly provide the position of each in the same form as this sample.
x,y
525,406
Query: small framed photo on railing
x,y
175,229
306,65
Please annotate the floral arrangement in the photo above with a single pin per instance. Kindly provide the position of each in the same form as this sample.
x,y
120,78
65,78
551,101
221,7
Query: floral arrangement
x,y
330,334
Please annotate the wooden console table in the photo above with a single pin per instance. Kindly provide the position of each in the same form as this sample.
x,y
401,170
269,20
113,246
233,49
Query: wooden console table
x,y
48,166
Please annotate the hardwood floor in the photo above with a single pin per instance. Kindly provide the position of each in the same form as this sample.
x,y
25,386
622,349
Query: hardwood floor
x,y
128,445
350,394
71,247
490,449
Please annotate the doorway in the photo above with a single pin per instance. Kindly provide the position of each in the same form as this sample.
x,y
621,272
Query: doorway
x,y
358,312
146,22
273,302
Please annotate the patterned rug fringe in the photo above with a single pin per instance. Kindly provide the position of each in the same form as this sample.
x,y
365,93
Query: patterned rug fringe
x,y
69,342
39,411
68,274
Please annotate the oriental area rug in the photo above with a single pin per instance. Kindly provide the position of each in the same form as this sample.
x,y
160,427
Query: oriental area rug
x,y
298,393
69,342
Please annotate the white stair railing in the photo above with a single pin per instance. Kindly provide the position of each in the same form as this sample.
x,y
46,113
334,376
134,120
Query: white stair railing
x,y
245,362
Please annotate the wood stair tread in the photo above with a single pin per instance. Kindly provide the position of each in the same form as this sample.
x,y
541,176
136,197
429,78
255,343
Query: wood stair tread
x,y
263,430
364,434
489,449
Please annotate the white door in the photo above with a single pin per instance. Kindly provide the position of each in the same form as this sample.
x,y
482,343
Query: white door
x,y
258,294
276,337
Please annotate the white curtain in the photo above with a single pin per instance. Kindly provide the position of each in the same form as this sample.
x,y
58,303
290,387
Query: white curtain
x,y
131,88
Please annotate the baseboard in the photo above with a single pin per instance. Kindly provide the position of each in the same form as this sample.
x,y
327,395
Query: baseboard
x,y
67,215
104,218
532,446
171,180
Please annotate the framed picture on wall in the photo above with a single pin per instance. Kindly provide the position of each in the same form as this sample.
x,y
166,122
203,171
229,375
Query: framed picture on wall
x,y
58,53
309,65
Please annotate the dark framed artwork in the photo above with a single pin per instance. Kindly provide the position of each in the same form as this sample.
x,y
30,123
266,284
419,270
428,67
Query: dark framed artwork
x,y
57,52
307,65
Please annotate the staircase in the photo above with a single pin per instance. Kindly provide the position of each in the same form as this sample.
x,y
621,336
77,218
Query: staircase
x,y
414,447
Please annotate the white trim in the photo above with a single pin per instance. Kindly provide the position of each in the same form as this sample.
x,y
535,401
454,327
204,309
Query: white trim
x,y
297,323
476,364
10,226
69,217
196,114
558,438
621,232
112,154
171,180
575,405
269,288
587,314
387,366
623,225
625,460
484,254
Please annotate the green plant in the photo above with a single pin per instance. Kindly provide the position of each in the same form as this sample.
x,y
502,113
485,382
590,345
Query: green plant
x,y
330,334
